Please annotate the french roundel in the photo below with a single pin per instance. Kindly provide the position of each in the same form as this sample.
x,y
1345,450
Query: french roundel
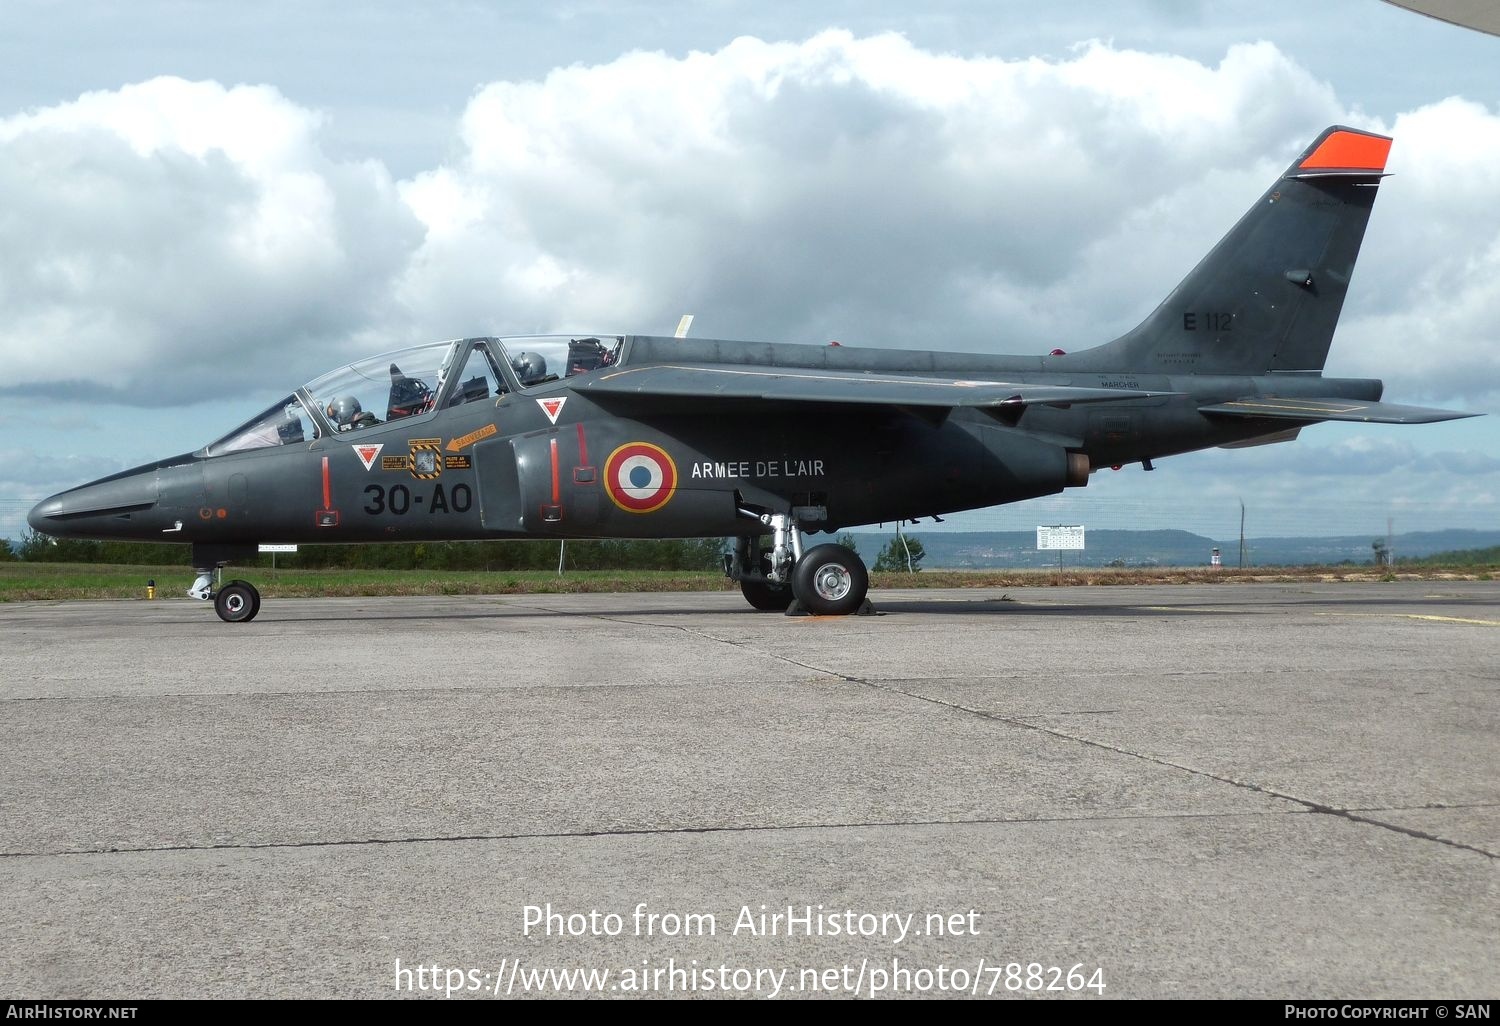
x,y
640,477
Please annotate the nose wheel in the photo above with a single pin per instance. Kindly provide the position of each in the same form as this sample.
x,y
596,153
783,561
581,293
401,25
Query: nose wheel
x,y
234,601
237,602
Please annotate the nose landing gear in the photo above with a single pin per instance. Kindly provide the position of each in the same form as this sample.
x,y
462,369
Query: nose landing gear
x,y
235,601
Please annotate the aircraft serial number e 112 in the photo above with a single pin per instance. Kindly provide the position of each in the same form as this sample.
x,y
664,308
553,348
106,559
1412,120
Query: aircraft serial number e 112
x,y
634,436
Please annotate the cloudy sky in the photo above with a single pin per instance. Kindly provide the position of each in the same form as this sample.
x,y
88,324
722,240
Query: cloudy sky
x,y
203,205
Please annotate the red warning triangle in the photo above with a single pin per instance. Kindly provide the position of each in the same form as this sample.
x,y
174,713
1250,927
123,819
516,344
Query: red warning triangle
x,y
552,406
367,453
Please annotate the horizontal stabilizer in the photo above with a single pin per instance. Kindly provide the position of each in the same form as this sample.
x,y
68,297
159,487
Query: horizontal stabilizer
x,y
1357,411
1275,438
707,381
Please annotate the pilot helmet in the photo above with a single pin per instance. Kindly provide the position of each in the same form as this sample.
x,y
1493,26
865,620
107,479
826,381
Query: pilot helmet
x,y
343,410
529,367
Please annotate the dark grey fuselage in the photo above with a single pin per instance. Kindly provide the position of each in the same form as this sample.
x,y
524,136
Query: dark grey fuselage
x,y
854,464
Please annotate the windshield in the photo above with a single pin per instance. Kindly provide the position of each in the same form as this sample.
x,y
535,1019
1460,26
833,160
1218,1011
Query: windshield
x,y
285,423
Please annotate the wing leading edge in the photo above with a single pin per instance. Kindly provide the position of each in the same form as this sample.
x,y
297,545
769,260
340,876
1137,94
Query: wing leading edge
x,y
702,381
1319,409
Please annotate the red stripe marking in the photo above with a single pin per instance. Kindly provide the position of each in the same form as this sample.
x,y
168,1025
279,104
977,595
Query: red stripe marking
x,y
1350,150
583,447
327,490
556,484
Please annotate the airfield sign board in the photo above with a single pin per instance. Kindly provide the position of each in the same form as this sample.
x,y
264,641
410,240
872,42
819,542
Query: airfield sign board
x,y
1060,537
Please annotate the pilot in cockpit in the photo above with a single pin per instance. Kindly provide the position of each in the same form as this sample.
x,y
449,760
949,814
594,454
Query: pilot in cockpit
x,y
347,415
531,368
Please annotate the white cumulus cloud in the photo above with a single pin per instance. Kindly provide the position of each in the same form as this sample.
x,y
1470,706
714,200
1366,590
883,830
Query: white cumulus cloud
x,y
161,238
171,238
1430,274
853,188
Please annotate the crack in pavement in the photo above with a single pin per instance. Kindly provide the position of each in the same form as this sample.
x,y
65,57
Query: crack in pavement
x,y
1307,804
1248,785
742,828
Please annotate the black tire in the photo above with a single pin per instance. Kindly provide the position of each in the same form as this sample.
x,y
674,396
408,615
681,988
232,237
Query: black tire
x,y
237,602
766,597
830,580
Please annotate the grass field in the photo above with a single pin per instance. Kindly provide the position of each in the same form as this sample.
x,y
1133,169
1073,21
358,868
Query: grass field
x,y
21,582
39,581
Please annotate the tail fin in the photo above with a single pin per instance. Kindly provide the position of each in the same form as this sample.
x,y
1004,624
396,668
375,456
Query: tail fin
x,y
1268,296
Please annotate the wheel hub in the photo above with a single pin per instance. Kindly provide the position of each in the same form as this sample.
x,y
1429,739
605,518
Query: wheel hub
x,y
832,582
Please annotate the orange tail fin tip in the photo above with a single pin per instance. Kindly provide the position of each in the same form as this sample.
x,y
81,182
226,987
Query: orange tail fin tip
x,y
1350,150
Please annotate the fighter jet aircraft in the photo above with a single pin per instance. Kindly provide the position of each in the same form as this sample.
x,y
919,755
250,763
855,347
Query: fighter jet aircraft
x,y
634,436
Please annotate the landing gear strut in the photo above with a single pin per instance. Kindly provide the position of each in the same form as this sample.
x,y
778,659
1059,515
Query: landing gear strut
x,y
827,580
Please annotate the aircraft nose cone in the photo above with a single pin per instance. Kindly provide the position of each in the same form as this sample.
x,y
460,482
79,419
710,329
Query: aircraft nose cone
x,y
103,509
40,516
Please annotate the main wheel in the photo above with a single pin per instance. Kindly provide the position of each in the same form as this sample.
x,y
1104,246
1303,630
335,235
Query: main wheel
x,y
766,597
237,602
830,580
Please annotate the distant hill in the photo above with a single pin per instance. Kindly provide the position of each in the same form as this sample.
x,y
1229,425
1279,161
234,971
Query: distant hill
x,y
1000,549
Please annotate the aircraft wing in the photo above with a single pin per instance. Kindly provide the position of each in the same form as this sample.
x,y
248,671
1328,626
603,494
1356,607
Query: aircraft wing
x,y
1355,410
790,384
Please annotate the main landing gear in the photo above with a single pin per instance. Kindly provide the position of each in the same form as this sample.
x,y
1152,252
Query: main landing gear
x,y
234,601
827,580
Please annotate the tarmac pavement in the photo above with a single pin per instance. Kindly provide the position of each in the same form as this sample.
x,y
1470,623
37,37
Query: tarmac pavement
x,y
1271,790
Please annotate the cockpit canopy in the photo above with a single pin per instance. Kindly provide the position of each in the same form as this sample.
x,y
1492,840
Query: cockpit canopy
x,y
415,382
